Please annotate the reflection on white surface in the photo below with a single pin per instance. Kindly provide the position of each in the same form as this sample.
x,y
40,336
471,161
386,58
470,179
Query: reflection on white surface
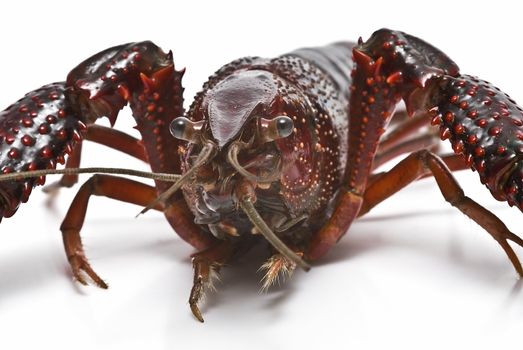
x,y
397,278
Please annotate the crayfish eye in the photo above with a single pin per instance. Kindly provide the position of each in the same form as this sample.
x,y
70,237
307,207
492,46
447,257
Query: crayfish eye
x,y
187,130
284,125
276,128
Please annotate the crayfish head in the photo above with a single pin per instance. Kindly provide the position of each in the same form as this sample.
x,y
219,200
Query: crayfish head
x,y
246,116
244,119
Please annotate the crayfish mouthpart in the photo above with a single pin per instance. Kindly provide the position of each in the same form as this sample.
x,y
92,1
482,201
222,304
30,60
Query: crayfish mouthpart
x,y
258,222
264,182
206,154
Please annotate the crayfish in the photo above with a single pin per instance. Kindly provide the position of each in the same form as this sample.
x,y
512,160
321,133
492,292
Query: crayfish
x,y
281,152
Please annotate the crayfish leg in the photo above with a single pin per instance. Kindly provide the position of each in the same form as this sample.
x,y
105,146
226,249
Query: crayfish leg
x,y
102,135
423,163
207,264
277,268
113,187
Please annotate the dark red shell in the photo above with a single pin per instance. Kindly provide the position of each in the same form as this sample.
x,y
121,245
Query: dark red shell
x,y
486,126
308,87
35,133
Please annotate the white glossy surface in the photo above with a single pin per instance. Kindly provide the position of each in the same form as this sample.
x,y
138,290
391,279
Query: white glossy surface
x,y
414,274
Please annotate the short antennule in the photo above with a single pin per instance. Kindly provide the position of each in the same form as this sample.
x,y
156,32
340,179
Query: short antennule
x,y
206,154
232,158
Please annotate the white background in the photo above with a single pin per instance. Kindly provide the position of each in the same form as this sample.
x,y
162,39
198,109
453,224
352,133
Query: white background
x,y
415,273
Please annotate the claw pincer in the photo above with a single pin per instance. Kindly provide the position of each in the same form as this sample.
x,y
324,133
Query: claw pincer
x,y
37,132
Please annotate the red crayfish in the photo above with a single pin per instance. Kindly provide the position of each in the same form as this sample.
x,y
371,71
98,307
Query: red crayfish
x,y
280,151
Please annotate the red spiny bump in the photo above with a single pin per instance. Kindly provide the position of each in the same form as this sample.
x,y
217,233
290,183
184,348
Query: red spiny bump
x,y
9,139
459,129
487,102
479,151
449,117
26,192
494,131
32,166
51,164
371,100
472,114
27,140
462,83
394,78
156,96
14,153
61,113
81,126
33,114
512,189
435,120
40,180
23,109
445,133
468,159
7,170
68,149
61,134
472,139
458,147
370,81
27,122
387,45
44,128
501,150
481,123
60,159
471,93
517,122
51,119
46,152
480,167
151,107
53,96
454,99
124,92
463,105
76,136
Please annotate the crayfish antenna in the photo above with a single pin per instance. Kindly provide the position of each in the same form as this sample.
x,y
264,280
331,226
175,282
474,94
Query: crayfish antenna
x,y
205,155
255,218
